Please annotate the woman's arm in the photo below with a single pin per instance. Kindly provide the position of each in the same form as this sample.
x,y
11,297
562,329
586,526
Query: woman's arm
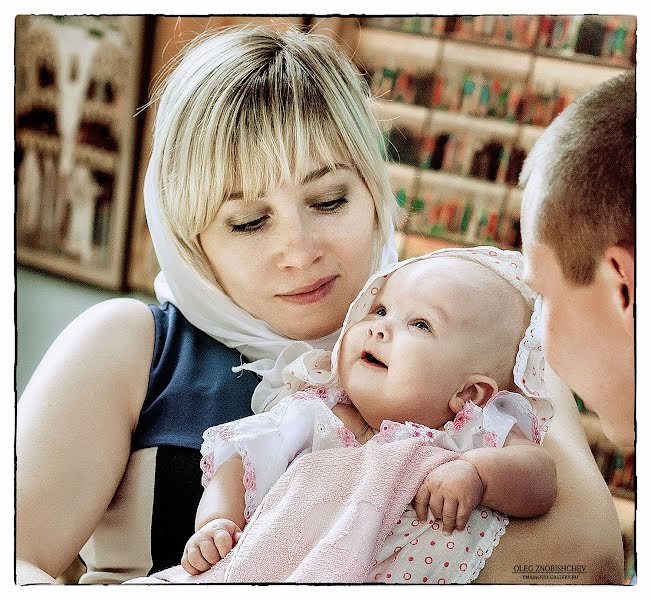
x,y
519,479
580,534
74,426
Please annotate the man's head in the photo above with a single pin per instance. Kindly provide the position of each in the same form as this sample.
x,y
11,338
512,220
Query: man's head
x,y
578,232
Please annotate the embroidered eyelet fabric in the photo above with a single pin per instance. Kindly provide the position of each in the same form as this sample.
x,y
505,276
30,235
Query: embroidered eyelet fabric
x,y
417,552
412,552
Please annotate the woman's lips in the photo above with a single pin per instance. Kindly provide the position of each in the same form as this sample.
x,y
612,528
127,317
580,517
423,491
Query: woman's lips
x,y
315,292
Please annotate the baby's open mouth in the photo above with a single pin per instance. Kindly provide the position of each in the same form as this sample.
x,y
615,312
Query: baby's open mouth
x,y
367,357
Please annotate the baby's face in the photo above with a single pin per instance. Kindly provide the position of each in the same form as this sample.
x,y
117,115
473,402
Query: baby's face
x,y
408,357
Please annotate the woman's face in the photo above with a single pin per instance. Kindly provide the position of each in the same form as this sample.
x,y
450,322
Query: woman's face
x,y
298,256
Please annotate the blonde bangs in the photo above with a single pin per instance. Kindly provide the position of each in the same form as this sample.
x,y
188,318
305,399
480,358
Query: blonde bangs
x,y
249,109
282,149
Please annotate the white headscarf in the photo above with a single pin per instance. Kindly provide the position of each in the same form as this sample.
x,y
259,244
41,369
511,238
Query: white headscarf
x,y
319,368
207,307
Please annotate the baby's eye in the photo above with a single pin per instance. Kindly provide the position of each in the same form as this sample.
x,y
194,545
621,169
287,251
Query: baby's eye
x,y
421,325
380,311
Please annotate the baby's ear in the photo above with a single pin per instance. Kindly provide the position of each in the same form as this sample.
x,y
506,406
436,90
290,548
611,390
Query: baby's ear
x,y
477,389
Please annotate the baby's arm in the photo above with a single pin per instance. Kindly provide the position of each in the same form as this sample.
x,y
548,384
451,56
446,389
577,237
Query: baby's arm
x,y
220,518
518,479
270,442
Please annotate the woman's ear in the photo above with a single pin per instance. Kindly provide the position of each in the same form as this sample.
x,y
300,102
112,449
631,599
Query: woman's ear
x,y
477,389
621,261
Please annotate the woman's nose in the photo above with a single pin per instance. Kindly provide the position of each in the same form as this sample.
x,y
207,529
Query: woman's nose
x,y
299,246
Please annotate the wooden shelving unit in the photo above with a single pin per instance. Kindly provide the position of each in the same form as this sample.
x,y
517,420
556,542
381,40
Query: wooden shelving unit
x,y
397,46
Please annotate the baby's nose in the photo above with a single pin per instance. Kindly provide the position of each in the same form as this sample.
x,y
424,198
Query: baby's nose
x,y
377,331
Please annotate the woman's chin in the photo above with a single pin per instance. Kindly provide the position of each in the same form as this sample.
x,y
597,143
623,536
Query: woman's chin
x,y
312,331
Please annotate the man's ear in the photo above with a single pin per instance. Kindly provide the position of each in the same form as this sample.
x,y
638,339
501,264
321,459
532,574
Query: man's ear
x,y
621,262
477,389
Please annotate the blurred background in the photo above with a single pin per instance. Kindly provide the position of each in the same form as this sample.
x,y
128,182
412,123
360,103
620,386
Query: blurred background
x,y
460,100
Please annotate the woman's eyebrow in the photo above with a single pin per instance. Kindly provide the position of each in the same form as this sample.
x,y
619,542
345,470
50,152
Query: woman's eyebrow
x,y
318,173
309,178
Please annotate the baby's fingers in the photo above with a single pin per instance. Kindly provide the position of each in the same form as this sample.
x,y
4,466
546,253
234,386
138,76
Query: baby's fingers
x,y
450,506
421,502
185,563
209,550
196,561
463,514
223,541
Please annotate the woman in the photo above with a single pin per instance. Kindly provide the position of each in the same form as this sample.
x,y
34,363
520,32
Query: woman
x,y
266,181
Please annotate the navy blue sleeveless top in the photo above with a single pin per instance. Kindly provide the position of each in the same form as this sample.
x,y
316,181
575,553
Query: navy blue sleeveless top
x,y
191,385
191,388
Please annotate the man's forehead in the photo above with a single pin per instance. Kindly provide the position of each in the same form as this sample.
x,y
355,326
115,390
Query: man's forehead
x,y
532,198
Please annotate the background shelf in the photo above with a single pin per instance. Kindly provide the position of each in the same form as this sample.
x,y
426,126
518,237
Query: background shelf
x,y
406,58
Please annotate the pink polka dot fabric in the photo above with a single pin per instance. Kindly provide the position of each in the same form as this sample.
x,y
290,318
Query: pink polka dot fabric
x,y
417,552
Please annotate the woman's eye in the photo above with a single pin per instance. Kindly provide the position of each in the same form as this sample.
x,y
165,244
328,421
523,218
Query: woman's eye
x,y
329,206
421,325
380,311
249,226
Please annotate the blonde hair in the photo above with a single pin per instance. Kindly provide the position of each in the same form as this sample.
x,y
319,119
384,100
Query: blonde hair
x,y
249,107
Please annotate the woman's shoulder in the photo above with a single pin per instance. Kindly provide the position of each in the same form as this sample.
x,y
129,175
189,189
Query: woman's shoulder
x,y
122,327
191,383
119,312
115,339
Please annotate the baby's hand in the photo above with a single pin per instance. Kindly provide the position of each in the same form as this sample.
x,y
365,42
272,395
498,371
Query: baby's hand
x,y
451,491
209,545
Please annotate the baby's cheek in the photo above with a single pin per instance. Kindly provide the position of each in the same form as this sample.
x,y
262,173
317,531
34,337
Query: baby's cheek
x,y
344,363
350,347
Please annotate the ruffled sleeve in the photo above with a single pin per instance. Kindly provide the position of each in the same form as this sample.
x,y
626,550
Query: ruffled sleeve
x,y
268,442
474,427
506,409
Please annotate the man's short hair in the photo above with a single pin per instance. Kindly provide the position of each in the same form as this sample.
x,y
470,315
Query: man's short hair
x,y
586,159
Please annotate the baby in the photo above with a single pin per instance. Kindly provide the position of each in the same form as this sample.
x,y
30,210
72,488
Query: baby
x,y
425,350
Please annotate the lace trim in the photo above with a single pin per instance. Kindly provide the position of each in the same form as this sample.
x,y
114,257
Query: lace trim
x,y
473,426
250,495
226,432
472,574
526,410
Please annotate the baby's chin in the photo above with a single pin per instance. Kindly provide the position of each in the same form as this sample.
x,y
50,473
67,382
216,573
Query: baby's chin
x,y
360,402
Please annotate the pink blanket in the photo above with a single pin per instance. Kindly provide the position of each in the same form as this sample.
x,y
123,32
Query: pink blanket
x,y
326,518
